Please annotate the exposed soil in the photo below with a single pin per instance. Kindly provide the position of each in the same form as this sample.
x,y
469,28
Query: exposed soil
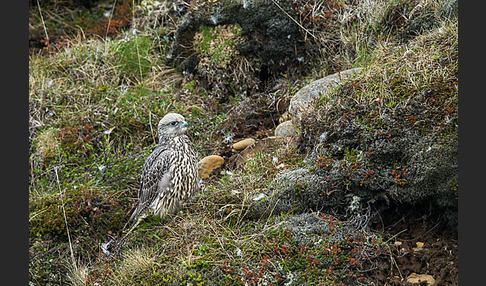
x,y
437,257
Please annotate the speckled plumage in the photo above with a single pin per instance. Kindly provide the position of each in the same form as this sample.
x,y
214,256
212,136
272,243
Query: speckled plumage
x,y
169,174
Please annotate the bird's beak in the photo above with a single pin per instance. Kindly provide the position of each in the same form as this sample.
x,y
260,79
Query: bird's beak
x,y
184,124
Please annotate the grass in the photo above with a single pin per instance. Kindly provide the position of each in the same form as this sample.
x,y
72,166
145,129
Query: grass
x,y
398,88
94,104
93,121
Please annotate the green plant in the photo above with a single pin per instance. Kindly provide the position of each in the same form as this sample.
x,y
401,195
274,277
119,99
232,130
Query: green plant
x,y
215,44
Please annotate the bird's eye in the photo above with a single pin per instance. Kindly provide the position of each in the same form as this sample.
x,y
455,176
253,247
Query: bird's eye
x,y
173,123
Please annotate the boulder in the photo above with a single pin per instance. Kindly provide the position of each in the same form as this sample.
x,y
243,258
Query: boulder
x,y
268,42
311,229
345,182
295,191
302,101
286,129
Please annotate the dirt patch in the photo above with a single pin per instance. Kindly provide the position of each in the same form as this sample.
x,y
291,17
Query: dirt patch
x,y
418,246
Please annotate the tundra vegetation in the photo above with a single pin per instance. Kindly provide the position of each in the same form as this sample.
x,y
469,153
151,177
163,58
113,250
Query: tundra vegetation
x,y
365,195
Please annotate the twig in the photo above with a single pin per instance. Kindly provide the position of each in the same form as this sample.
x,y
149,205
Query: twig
x,y
109,19
42,19
65,218
396,265
395,235
32,217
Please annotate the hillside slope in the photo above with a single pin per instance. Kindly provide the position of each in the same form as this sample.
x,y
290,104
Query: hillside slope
x,y
365,192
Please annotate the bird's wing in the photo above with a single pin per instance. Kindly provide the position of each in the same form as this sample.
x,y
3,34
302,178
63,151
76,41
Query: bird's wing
x,y
155,170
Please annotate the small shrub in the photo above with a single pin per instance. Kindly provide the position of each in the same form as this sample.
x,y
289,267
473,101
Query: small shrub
x,y
89,212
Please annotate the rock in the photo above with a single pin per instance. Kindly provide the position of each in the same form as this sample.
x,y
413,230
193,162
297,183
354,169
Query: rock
x,y
415,278
301,102
296,191
286,129
330,181
420,246
400,158
269,42
209,164
240,145
309,229
259,146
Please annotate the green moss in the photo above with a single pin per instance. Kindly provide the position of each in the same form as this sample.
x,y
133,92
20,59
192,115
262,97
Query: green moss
x,y
216,43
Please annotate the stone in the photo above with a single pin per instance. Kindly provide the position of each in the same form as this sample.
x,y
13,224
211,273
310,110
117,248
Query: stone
x,y
311,229
240,145
297,191
262,145
208,164
275,45
286,129
415,278
301,102
420,246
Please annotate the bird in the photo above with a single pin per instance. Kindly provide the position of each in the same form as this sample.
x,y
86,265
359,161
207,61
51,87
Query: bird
x,y
169,174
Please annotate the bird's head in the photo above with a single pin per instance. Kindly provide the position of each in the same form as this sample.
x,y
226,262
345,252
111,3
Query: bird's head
x,y
172,125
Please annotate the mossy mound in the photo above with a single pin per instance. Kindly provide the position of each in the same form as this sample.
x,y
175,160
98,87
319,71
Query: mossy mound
x,y
385,139
258,42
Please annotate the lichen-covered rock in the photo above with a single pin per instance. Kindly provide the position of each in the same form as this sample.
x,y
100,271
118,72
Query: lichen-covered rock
x,y
309,229
301,102
264,42
293,191
286,129
270,35
348,185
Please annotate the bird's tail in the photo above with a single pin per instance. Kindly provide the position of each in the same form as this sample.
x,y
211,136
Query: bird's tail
x,y
133,217
132,223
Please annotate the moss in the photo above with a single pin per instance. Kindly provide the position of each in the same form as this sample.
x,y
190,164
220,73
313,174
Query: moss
x,y
216,44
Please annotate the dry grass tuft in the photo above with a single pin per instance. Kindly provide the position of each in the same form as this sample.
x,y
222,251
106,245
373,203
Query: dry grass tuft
x,y
136,265
47,145
348,32
430,57
77,275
